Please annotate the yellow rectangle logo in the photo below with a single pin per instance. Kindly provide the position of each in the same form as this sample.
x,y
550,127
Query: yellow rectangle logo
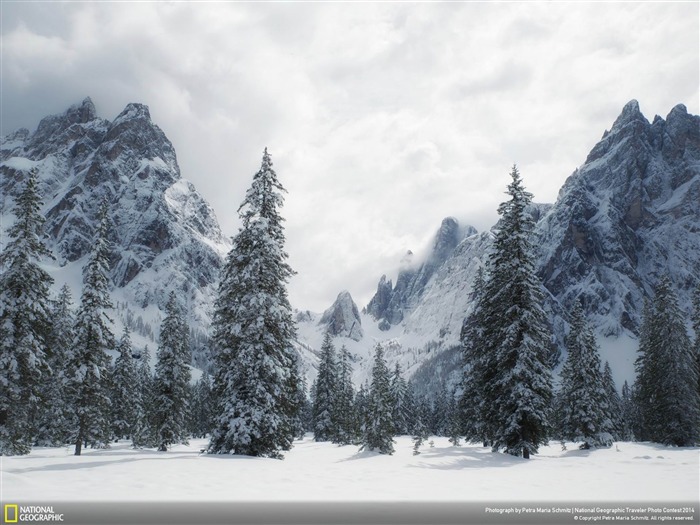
x,y
8,509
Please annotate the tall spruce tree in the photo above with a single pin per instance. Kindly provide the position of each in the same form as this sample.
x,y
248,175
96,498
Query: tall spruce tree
x,y
582,402
614,417
344,409
24,323
172,378
256,379
378,428
202,409
515,337
628,413
667,373
402,409
326,392
55,421
142,433
470,406
88,367
125,394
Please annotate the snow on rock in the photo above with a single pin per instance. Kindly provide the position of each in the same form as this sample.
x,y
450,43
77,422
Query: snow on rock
x,y
343,318
165,236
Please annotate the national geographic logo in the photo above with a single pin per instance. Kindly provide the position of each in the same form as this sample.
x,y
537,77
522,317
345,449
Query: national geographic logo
x,y
14,513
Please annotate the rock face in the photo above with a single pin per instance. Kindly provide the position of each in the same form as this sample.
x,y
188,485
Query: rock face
x,y
628,215
165,237
343,318
392,304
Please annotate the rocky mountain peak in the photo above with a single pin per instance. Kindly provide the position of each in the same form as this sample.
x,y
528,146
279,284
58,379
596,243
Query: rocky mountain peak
x,y
81,113
343,318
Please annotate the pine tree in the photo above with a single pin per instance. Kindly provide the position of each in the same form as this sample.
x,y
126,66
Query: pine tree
x,y
172,378
256,379
125,395
401,412
324,409
441,417
55,420
614,419
202,409
667,373
143,434
344,405
471,407
24,323
515,337
582,400
88,368
379,427
628,413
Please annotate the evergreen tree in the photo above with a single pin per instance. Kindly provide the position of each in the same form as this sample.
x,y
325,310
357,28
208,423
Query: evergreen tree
x,y
324,410
582,400
514,336
172,378
143,434
401,412
667,373
441,417
628,413
379,426
361,407
24,323
614,417
55,420
124,390
202,409
344,405
88,366
256,379
471,406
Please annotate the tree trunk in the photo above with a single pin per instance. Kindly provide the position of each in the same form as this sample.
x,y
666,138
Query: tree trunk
x,y
526,453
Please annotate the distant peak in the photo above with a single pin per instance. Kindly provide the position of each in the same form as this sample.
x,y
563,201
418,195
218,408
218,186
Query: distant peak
x,y
83,112
630,113
678,110
134,110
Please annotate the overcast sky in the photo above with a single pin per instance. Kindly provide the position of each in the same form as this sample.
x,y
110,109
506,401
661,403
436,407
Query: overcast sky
x,y
381,118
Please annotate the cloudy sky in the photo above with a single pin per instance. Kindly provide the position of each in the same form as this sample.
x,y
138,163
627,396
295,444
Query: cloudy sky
x,y
381,118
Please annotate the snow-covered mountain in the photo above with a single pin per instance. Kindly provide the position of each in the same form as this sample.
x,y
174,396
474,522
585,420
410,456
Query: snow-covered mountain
x,y
628,215
165,236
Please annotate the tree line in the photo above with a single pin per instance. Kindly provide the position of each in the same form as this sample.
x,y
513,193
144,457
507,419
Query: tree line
x,y
60,386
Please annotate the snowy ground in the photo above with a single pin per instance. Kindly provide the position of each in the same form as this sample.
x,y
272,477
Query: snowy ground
x,y
325,472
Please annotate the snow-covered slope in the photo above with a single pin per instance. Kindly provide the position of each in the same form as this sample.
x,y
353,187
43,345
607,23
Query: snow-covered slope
x,y
165,236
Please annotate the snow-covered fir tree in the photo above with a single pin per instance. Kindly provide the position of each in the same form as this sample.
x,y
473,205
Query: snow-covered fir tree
x,y
582,401
326,391
142,432
202,403
88,367
667,373
125,391
515,339
256,380
25,323
172,378
402,413
344,403
378,430
628,413
470,406
614,404
55,421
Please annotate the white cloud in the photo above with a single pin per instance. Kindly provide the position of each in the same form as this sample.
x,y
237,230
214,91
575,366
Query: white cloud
x,y
381,118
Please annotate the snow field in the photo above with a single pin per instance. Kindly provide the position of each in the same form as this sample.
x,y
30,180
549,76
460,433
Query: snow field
x,y
325,472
